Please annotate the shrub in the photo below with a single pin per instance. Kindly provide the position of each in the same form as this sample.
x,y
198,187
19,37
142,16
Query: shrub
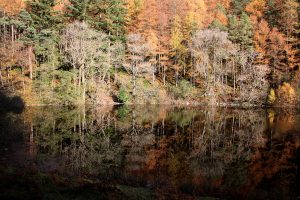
x,y
123,95
183,90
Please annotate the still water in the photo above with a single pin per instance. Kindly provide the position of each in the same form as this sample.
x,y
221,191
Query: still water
x,y
152,152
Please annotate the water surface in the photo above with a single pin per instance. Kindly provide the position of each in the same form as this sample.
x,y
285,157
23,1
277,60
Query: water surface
x,y
150,152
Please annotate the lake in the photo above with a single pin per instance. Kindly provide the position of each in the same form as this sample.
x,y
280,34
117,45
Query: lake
x,y
150,152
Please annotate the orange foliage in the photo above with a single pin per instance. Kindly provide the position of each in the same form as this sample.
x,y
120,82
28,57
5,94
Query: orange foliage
x,y
221,17
214,13
154,18
12,7
256,8
260,36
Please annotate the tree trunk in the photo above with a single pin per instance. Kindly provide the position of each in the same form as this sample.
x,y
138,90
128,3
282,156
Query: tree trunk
x,y
30,62
84,85
176,77
1,78
12,33
153,75
164,75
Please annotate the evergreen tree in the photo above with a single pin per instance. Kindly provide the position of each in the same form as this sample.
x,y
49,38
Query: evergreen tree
x,y
241,30
272,13
234,29
43,14
109,16
246,31
41,24
78,10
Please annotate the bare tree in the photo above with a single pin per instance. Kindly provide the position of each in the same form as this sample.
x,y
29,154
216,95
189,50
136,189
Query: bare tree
x,y
117,55
210,48
139,52
228,71
85,50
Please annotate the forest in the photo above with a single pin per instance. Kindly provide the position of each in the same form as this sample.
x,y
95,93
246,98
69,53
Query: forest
x,y
212,52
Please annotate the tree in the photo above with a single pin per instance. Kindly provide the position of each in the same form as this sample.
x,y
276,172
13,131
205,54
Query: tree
x,y
77,10
29,36
226,69
289,24
40,23
11,7
43,14
216,24
178,49
108,16
240,30
246,31
84,49
256,8
277,52
138,52
238,6
260,39
209,48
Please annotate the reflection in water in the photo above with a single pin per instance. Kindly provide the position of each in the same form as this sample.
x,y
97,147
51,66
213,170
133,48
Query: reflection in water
x,y
173,153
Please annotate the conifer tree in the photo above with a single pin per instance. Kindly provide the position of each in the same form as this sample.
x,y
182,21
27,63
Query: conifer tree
x,y
43,14
78,10
246,31
109,16
233,29
241,30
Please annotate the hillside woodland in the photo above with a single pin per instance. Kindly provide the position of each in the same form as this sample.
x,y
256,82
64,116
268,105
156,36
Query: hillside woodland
x,y
216,52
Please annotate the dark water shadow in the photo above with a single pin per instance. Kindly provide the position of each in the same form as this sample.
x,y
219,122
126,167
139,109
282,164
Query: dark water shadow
x,y
154,152
13,104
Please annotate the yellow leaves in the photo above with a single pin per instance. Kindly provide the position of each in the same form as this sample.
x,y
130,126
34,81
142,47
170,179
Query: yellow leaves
x,y
153,40
271,96
287,90
286,95
271,116
196,11
176,34
134,6
190,24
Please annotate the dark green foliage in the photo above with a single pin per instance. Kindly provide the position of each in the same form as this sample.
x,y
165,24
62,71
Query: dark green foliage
x,y
104,15
272,14
78,10
109,16
41,24
233,29
241,30
246,30
43,15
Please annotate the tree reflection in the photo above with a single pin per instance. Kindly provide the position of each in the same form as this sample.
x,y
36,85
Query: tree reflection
x,y
180,151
